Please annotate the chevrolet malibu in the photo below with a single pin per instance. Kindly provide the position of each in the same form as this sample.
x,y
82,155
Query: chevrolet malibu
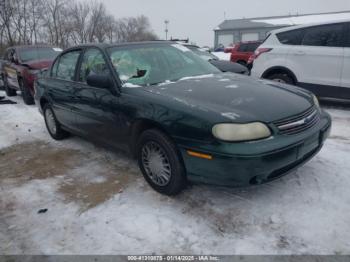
x,y
182,118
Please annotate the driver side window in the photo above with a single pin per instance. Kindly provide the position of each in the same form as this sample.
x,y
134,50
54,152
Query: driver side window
x,y
93,62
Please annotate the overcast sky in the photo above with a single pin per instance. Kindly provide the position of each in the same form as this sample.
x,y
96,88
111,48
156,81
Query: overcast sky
x,y
196,19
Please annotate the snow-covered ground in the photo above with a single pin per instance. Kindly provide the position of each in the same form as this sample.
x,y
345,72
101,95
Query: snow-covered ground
x,y
98,203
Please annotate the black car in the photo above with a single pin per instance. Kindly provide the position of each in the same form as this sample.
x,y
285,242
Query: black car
x,y
222,65
179,115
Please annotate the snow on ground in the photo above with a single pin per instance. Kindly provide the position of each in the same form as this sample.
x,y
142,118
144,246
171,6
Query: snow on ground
x,y
222,55
98,202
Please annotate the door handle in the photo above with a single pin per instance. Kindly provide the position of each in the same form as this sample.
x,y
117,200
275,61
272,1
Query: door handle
x,y
300,53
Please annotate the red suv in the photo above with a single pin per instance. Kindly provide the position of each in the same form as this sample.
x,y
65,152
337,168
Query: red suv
x,y
242,51
20,67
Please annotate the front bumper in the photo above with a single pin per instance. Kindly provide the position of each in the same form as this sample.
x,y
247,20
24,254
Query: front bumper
x,y
258,162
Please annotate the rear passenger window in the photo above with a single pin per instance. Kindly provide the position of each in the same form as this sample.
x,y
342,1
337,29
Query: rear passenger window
x,y
243,48
347,36
326,35
66,65
252,47
54,68
293,37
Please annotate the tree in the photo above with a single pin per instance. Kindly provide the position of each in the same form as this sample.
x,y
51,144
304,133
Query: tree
x,y
67,22
133,29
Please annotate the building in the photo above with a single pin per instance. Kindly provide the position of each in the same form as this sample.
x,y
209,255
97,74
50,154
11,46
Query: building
x,y
251,29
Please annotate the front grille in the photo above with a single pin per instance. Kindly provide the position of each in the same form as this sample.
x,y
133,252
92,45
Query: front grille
x,y
297,124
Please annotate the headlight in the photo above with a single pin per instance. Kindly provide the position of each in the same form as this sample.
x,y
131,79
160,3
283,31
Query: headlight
x,y
317,104
241,132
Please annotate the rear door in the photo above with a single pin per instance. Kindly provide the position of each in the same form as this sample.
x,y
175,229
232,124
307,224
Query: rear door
x,y
346,66
319,58
60,87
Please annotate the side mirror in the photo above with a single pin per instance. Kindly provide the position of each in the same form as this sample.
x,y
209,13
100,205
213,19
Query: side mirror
x,y
99,81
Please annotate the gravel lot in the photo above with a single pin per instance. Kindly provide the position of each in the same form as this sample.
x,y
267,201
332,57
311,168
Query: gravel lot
x,y
98,203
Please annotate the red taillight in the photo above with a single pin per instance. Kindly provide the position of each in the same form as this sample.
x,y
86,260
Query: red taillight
x,y
257,53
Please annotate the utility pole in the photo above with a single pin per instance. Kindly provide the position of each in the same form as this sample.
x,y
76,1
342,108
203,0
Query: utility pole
x,y
166,22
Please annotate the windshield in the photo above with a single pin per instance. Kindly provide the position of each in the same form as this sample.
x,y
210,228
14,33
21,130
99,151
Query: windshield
x,y
158,63
203,53
39,53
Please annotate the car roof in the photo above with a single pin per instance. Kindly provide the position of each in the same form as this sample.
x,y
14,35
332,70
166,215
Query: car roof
x,y
188,45
289,28
29,46
249,42
105,45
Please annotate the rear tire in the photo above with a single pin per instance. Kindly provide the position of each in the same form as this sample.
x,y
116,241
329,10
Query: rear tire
x,y
9,91
26,95
160,163
53,126
2,86
281,78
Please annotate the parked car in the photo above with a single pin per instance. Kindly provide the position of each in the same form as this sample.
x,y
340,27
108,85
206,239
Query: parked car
x,y
181,117
20,66
229,49
315,57
223,66
242,52
219,48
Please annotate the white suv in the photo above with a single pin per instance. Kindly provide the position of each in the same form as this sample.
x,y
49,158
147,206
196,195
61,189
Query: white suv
x,y
316,57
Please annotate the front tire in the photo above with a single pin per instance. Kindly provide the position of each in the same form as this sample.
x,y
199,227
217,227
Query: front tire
x,y
53,126
282,78
9,91
27,96
160,163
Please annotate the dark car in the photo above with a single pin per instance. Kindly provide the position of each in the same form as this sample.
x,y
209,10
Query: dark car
x,y
243,51
181,117
223,66
20,66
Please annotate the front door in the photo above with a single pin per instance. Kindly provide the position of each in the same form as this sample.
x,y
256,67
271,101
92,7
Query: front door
x,y
97,109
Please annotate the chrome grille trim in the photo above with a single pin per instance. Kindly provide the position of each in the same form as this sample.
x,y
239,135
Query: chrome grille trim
x,y
299,123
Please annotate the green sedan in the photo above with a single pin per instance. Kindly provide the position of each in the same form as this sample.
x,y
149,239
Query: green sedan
x,y
182,118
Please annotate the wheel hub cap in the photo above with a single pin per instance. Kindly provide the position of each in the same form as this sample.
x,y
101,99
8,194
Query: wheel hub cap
x,y
50,120
156,163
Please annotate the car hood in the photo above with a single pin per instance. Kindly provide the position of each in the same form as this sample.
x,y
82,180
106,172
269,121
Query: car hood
x,y
237,98
227,66
38,64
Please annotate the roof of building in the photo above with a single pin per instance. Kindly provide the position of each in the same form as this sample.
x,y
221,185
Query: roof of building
x,y
281,21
